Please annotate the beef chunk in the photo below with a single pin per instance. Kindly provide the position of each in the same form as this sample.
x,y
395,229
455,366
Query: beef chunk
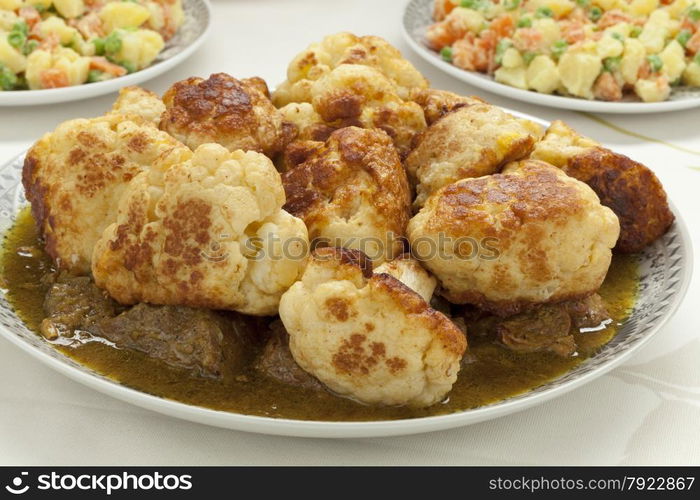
x,y
197,339
75,303
276,361
589,312
547,328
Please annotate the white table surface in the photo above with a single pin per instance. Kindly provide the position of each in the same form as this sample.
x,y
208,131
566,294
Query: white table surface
x,y
645,412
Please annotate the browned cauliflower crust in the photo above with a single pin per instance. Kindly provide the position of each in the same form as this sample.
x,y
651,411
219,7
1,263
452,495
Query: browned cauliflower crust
x,y
206,232
235,113
352,191
471,141
410,272
356,95
368,336
322,57
75,176
140,102
437,103
629,188
527,236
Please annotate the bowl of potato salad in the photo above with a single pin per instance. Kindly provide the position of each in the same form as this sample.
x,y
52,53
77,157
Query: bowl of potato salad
x,y
63,50
595,55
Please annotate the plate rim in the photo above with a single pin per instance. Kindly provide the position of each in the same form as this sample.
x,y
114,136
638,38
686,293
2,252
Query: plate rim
x,y
24,98
531,96
359,429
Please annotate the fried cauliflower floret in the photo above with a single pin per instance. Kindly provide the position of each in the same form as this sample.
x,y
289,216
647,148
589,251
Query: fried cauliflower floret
x,y
141,102
352,192
471,141
368,336
75,176
437,103
629,188
361,96
333,51
235,113
527,236
409,272
206,232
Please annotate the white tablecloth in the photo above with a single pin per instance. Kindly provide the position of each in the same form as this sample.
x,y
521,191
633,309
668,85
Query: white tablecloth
x,y
645,412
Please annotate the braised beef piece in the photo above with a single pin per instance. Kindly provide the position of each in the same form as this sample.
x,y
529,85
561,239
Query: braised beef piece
x,y
197,339
207,342
589,312
75,303
548,327
276,361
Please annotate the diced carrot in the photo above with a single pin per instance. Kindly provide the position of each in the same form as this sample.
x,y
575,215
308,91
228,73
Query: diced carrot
x,y
53,78
101,64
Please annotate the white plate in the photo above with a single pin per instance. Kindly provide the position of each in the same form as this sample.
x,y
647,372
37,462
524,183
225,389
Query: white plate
x,y
185,42
665,271
418,15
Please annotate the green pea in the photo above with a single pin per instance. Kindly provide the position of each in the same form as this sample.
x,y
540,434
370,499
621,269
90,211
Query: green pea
x,y
683,37
635,31
95,76
655,62
543,12
511,4
129,67
694,14
16,39
618,36
446,54
21,27
8,79
610,64
583,3
524,22
529,56
99,44
30,47
559,47
595,14
501,47
113,43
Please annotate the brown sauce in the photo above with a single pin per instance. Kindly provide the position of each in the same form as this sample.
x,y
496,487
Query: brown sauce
x,y
495,374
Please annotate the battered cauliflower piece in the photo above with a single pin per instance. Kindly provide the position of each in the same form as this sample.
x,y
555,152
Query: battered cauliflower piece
x,y
471,141
139,101
75,176
409,272
352,192
629,188
206,232
235,113
527,236
437,103
321,58
368,336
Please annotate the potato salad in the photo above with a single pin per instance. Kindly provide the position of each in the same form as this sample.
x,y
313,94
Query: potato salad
x,y
48,44
608,50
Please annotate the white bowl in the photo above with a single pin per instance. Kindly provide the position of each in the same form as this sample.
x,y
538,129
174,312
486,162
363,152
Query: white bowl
x,y
185,42
418,15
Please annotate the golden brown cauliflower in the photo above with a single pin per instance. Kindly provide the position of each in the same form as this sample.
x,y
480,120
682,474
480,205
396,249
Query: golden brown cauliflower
x,y
75,176
368,336
351,191
629,188
322,57
471,141
206,232
506,241
410,272
356,95
437,103
141,102
235,113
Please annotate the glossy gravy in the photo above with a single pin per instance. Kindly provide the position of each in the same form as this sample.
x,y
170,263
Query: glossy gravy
x,y
494,374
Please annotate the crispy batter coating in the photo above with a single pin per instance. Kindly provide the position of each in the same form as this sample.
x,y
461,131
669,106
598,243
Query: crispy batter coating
x,y
235,113
410,272
368,336
352,191
356,95
437,103
206,232
629,188
141,102
345,48
471,141
507,241
75,176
